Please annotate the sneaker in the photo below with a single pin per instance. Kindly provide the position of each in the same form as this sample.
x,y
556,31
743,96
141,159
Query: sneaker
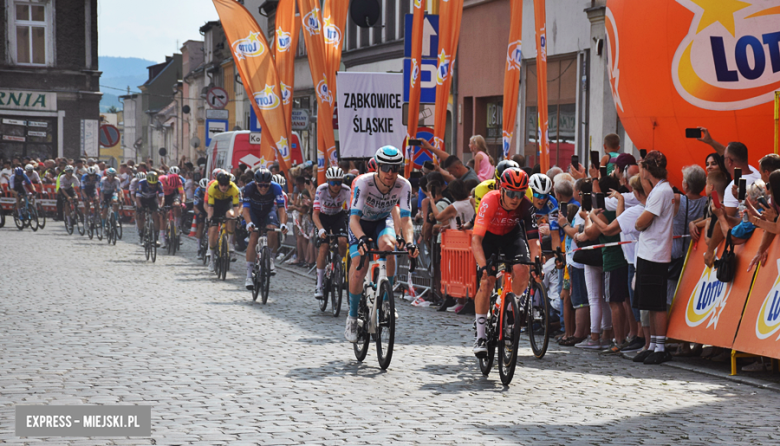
x,y
614,349
157,243
249,283
448,303
658,357
757,366
480,348
634,345
468,309
318,294
455,308
641,356
233,256
350,332
211,265
589,343
273,267
280,257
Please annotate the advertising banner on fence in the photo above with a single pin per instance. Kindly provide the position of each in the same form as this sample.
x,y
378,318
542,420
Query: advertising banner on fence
x,y
759,332
705,309
370,112
514,56
450,15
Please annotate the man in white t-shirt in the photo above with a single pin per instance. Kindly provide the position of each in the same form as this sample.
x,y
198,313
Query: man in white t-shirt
x,y
654,252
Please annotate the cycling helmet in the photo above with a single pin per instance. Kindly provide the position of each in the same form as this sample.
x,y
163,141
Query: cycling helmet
x,y
68,169
140,175
111,171
541,184
18,171
263,176
173,170
514,179
223,178
279,179
151,178
334,173
232,178
502,166
29,168
389,155
92,170
215,172
348,179
371,165
204,183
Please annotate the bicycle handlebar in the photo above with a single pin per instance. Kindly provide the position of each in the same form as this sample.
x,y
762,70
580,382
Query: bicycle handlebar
x,y
537,263
383,254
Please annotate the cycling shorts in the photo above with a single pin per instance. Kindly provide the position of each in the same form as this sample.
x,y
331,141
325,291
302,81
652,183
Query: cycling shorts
x,y
19,189
512,245
221,207
149,203
336,223
172,199
374,229
262,219
69,192
89,193
108,198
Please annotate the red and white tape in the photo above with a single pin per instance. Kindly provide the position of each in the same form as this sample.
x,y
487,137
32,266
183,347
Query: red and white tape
x,y
607,245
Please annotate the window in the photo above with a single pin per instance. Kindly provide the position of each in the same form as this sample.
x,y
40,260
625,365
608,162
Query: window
x,y
31,32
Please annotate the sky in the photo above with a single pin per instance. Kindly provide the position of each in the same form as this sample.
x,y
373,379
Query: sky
x,y
150,29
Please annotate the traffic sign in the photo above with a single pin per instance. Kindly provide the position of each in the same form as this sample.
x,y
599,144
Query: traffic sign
x,y
217,97
254,138
430,46
254,123
217,114
109,135
427,80
213,127
300,119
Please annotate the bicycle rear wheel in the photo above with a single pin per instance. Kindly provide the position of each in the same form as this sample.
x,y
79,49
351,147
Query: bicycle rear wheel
x,y
169,237
538,320
118,225
224,256
361,346
265,279
507,347
68,220
41,216
80,224
385,327
33,216
256,280
90,227
486,362
97,223
336,289
148,244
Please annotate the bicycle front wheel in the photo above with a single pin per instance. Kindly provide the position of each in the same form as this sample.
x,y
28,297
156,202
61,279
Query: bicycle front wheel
x,y
361,346
18,221
265,279
486,362
224,256
538,319
33,215
326,284
507,347
385,327
41,216
336,289
68,220
80,225
98,225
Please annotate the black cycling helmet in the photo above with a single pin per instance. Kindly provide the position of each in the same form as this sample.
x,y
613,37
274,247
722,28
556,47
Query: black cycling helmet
x,y
223,178
348,179
263,176
504,165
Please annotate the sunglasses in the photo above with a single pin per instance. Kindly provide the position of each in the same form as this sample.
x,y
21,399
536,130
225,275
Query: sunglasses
x,y
334,183
263,184
387,168
514,193
540,196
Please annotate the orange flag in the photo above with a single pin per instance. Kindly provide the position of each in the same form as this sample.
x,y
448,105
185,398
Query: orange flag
x,y
258,72
288,28
540,17
414,83
334,19
315,46
514,56
450,14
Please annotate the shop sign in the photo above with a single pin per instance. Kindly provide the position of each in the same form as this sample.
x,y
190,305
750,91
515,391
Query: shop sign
x,y
14,122
27,100
13,138
37,124
41,134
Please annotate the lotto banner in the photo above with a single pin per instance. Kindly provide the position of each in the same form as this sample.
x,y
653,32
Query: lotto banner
x,y
288,27
258,73
514,56
450,14
414,84
759,332
315,46
540,19
334,15
706,310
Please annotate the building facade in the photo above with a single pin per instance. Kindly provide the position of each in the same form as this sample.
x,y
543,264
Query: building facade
x,y
50,89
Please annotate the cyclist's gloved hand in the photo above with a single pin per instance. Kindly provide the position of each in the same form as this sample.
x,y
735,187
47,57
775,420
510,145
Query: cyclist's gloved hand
x,y
322,233
399,241
250,226
412,248
283,227
363,244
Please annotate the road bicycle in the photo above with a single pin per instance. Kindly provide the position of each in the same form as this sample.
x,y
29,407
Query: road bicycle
x,y
94,222
113,226
333,281
222,262
172,233
150,235
261,271
73,217
41,214
508,314
27,215
374,320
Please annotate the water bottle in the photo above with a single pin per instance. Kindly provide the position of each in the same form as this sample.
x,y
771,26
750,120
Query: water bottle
x,y
743,209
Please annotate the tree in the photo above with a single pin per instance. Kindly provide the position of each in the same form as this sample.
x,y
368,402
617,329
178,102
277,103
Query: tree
x,y
113,109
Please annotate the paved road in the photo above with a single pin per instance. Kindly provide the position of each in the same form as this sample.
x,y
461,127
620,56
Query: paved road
x,y
87,323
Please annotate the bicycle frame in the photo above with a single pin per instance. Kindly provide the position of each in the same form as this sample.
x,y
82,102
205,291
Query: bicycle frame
x,y
370,289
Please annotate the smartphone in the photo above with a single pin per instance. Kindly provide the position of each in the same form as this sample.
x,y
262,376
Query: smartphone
x,y
457,221
642,153
594,157
715,200
675,190
575,161
600,201
693,133
415,142
737,175
428,165
742,188
762,201
587,203
603,172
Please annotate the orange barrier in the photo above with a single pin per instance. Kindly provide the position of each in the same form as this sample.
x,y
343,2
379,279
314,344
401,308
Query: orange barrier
x,y
458,265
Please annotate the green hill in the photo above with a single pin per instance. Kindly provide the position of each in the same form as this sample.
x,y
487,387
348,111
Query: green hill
x,y
119,73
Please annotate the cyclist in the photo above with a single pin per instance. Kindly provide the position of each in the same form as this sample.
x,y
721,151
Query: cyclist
x,y
109,193
489,185
263,207
89,187
148,198
331,203
197,206
545,207
376,199
68,186
29,170
173,189
504,223
221,194
20,185
281,181
133,188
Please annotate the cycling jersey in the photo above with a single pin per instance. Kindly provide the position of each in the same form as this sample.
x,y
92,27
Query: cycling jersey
x,y
493,218
145,190
109,187
328,204
372,205
549,208
200,193
215,194
68,183
258,202
172,184
34,177
89,183
18,183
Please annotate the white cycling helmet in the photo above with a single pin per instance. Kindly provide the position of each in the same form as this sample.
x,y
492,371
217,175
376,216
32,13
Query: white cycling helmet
x,y
140,176
29,168
204,183
92,170
389,155
334,173
279,179
232,178
540,184
173,170
215,172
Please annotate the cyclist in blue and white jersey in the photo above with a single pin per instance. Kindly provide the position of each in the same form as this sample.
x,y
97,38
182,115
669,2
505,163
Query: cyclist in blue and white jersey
x,y
376,199
148,198
110,190
545,207
331,204
20,185
89,187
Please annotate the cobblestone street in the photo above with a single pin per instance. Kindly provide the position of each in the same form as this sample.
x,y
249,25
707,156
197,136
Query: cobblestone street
x,y
87,323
